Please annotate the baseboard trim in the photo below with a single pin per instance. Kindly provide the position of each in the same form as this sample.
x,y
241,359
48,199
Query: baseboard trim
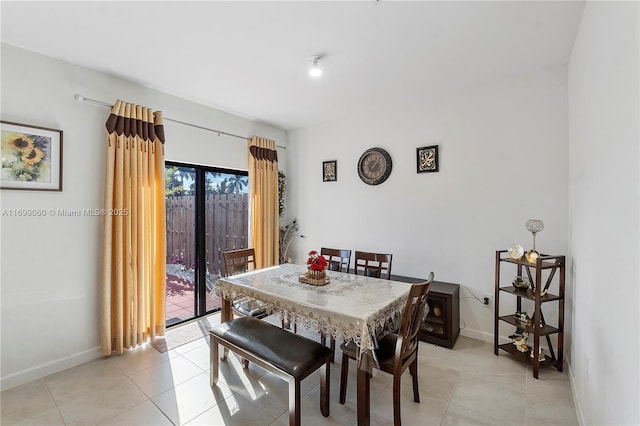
x,y
48,368
477,334
576,399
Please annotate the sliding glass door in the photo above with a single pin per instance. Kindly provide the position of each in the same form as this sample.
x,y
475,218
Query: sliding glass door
x,y
207,214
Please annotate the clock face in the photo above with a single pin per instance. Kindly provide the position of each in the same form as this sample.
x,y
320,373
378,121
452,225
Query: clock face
x,y
374,166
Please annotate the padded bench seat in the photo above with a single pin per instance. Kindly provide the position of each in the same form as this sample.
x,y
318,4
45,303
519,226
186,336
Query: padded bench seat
x,y
288,355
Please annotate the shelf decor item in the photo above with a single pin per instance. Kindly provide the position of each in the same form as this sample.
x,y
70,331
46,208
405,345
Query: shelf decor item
x,y
31,157
534,226
516,251
523,318
541,356
520,343
520,283
317,266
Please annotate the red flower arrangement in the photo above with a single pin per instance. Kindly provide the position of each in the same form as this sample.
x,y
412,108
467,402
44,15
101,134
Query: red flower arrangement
x,y
316,262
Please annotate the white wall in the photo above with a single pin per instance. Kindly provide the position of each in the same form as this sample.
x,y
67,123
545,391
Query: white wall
x,y
604,185
51,266
503,160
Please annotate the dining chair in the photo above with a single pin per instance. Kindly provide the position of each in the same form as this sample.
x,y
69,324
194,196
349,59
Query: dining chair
x,y
396,351
237,262
377,265
339,259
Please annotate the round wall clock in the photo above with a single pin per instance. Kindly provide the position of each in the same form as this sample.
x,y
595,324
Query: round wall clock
x,y
374,166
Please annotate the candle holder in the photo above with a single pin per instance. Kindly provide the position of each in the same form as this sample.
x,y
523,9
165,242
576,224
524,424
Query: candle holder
x,y
534,226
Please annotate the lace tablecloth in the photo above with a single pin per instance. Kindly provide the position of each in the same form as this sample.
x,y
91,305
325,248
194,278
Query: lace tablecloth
x,y
351,307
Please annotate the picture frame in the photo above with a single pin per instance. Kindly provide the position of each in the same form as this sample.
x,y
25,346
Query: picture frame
x,y
31,157
427,159
330,171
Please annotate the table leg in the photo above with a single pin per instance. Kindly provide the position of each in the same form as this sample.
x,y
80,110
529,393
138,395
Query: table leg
x,y
364,397
225,315
225,310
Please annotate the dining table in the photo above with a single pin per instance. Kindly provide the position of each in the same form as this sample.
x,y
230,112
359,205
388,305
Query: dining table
x,y
349,307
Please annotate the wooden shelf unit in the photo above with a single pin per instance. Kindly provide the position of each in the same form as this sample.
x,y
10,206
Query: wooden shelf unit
x,y
555,265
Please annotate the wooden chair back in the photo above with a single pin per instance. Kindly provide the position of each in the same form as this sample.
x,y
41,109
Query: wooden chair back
x,y
239,261
339,259
376,265
412,316
396,351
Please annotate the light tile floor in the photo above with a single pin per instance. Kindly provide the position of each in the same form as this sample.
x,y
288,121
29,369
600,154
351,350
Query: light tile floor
x,y
467,385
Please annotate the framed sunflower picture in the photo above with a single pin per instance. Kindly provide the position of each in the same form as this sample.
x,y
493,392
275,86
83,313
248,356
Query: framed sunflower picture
x,y
31,157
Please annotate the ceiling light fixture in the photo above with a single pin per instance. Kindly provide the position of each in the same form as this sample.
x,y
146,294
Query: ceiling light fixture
x,y
315,70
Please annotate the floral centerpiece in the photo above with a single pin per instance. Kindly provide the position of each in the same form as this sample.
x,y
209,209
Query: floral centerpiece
x,y
316,267
316,262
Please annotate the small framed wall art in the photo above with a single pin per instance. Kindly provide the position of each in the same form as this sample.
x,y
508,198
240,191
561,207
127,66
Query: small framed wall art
x,y
31,157
330,171
427,159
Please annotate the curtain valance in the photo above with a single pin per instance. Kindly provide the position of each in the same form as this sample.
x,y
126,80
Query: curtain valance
x,y
260,153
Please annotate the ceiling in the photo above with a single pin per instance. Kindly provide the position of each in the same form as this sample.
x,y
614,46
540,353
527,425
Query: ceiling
x,y
252,58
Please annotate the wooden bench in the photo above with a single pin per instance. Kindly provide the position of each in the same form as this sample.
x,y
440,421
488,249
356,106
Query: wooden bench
x,y
289,356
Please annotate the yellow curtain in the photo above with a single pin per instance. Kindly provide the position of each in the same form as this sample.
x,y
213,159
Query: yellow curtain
x,y
263,192
133,284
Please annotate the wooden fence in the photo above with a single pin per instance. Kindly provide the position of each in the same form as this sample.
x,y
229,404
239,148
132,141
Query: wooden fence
x,y
226,228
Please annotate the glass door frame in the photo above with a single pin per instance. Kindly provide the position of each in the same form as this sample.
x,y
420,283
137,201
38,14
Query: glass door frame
x,y
200,270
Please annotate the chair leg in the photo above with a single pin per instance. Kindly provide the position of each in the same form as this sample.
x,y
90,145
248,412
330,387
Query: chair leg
x,y
294,402
325,387
344,372
396,400
413,368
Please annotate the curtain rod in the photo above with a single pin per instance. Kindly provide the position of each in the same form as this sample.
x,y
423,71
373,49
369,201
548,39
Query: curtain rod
x,y
81,98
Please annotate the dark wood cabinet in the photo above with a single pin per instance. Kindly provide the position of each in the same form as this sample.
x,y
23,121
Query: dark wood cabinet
x,y
441,326
547,276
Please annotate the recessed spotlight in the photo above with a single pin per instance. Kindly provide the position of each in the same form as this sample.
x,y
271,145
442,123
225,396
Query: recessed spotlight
x,y
315,70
